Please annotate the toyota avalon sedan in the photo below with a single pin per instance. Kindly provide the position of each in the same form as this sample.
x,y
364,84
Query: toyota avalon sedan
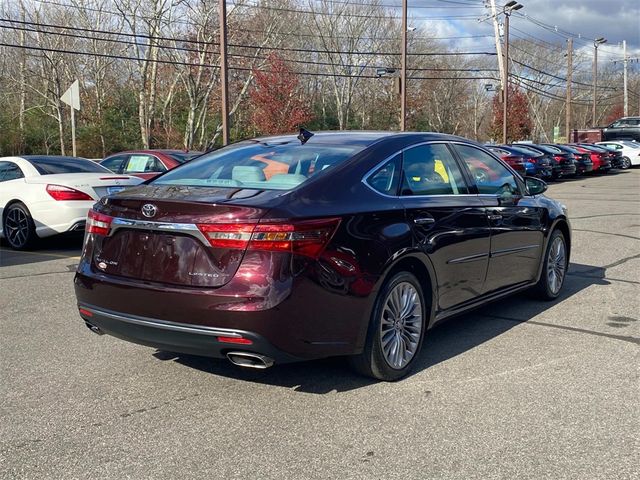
x,y
361,245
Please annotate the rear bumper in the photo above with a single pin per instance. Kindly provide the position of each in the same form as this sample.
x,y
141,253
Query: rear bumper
x,y
176,337
52,218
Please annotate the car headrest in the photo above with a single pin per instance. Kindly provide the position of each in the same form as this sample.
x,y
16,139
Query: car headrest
x,y
247,174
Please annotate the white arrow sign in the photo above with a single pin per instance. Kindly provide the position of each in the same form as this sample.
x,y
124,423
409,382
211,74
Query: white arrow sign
x,y
72,96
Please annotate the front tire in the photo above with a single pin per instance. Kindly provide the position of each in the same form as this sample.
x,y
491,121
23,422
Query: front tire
x,y
18,227
554,269
396,330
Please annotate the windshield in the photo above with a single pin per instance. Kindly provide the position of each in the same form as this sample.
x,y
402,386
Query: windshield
x,y
258,166
182,157
54,165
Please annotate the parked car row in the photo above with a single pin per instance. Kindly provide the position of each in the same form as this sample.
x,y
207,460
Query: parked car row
x,y
550,161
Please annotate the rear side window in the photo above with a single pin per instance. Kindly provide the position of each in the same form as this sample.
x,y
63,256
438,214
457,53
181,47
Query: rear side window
x,y
55,165
10,171
259,165
431,170
385,180
490,176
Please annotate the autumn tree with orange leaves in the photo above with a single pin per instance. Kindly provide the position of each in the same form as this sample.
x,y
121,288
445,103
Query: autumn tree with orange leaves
x,y
278,101
519,124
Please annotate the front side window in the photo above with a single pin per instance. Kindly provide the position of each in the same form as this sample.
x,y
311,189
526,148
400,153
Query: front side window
x,y
431,170
259,165
491,176
10,171
143,164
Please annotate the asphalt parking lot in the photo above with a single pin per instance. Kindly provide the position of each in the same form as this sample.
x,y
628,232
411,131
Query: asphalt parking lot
x,y
518,389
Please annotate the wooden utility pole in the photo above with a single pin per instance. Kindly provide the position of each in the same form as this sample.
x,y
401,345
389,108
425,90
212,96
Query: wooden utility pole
x,y
626,91
224,70
496,31
505,94
403,72
567,125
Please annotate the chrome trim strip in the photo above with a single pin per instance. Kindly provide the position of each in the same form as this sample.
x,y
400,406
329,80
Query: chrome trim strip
x,y
164,324
185,228
470,258
507,251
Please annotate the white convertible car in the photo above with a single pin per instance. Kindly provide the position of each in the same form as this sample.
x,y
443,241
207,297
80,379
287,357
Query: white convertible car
x,y
42,196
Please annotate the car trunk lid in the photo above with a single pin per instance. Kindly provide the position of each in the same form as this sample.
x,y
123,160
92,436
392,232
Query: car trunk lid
x,y
165,241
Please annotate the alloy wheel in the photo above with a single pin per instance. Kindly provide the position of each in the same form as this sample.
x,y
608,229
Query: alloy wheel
x,y
401,325
17,227
556,265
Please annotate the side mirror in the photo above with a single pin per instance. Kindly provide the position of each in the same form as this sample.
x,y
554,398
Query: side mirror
x,y
535,186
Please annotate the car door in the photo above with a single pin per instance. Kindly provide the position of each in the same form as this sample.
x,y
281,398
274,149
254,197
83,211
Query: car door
x,y
449,224
516,222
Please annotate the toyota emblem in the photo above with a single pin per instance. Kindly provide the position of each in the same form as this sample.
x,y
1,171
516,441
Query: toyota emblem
x,y
149,210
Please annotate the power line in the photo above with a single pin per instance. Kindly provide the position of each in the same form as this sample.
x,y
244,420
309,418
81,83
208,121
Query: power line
x,y
199,42
242,69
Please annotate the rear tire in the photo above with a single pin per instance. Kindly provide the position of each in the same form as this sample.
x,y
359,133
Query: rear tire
x,y
18,227
626,163
554,269
396,330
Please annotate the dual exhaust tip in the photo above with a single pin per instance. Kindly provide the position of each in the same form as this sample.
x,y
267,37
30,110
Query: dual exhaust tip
x,y
250,360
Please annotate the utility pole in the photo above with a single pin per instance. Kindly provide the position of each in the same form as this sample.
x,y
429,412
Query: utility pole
x,y
626,91
496,31
403,72
567,124
505,94
224,70
596,43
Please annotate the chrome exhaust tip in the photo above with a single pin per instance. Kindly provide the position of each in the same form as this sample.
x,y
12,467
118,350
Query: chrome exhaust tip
x,y
93,328
250,360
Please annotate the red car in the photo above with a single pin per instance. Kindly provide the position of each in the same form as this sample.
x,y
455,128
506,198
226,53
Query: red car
x,y
601,163
515,161
146,163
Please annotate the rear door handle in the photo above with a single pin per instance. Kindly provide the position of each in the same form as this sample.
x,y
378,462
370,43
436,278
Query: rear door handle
x,y
494,217
424,221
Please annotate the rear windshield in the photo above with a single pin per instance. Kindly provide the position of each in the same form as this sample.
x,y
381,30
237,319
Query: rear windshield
x,y
184,157
54,165
526,151
259,166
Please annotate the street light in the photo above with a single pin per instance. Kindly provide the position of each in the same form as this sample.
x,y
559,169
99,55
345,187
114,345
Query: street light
x,y
507,9
596,43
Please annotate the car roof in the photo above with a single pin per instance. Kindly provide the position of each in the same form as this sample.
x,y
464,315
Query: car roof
x,y
351,137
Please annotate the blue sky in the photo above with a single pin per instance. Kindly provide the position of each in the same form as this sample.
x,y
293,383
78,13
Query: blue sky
x,y
615,20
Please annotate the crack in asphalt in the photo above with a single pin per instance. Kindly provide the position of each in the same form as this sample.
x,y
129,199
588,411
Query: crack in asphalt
x,y
36,274
607,233
624,338
597,277
603,215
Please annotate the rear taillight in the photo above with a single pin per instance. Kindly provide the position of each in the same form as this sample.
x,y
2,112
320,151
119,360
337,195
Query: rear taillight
x,y
98,223
533,160
308,237
61,193
558,158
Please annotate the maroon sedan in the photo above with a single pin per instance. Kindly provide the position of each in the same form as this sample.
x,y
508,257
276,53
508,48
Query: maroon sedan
x,y
147,163
360,243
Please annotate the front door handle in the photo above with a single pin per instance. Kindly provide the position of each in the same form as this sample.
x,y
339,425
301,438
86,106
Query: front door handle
x,y
424,221
495,217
